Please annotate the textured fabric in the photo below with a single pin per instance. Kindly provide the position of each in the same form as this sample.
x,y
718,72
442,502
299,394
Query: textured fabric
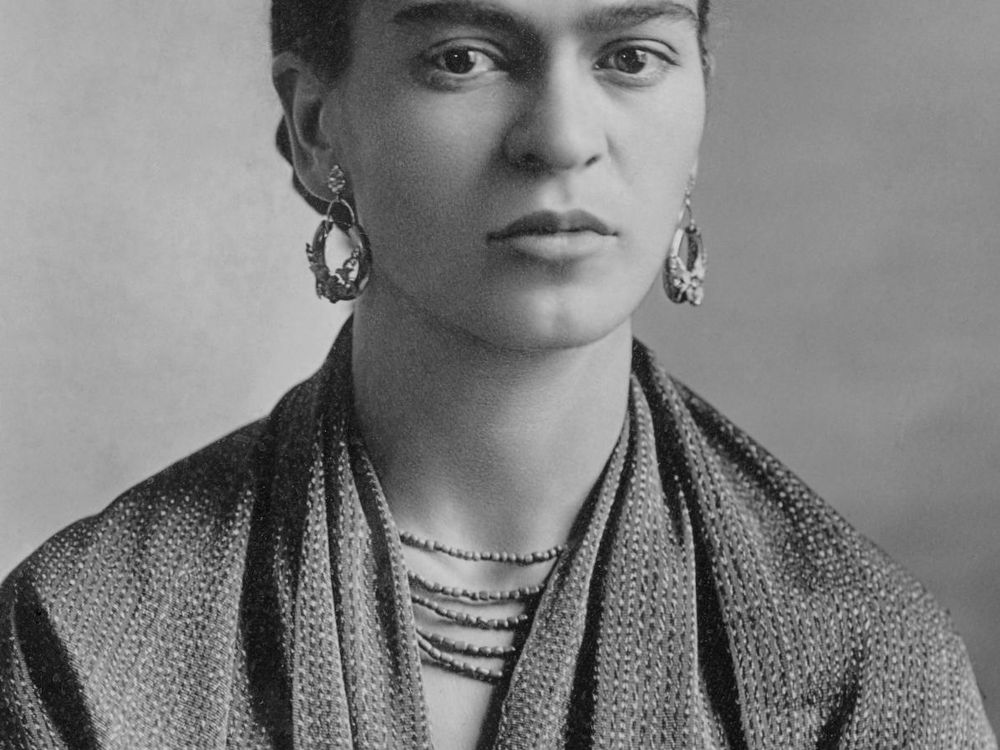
x,y
254,596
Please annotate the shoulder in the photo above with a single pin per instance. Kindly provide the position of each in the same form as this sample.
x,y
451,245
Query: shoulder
x,y
111,621
860,626
178,513
163,556
189,518
186,510
856,638
816,551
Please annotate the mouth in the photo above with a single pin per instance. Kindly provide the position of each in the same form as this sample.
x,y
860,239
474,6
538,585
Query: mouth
x,y
552,223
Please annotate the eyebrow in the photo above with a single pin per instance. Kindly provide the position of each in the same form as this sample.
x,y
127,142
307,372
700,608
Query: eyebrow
x,y
481,15
633,14
489,16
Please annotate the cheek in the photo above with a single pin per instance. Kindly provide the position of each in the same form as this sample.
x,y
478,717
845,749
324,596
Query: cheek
x,y
412,136
421,161
658,157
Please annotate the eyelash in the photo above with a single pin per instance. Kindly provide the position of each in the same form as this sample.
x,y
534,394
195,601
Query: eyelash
x,y
439,77
657,59
657,63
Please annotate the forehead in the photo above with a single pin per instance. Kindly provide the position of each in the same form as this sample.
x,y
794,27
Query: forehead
x,y
534,15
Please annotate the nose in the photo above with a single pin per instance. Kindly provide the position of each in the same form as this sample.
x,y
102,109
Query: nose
x,y
559,126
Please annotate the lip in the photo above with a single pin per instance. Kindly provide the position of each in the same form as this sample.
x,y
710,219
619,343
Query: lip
x,y
552,223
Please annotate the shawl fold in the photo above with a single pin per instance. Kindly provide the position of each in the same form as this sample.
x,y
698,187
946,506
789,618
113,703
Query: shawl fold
x,y
254,595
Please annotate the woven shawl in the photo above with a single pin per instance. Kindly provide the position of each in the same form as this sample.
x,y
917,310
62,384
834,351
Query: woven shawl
x,y
254,596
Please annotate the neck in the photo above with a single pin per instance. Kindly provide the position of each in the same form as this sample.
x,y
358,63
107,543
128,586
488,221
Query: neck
x,y
478,446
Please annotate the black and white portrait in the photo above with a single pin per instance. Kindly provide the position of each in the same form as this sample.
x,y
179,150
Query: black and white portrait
x,y
500,374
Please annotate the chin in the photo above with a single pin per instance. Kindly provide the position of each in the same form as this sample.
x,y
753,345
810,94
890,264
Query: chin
x,y
518,313
546,323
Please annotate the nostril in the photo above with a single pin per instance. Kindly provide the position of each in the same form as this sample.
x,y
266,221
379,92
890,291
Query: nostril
x,y
556,130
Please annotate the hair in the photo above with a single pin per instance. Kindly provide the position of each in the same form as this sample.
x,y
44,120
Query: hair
x,y
319,31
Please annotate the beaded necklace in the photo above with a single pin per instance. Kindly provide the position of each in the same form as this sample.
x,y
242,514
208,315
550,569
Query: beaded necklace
x,y
505,614
514,558
452,608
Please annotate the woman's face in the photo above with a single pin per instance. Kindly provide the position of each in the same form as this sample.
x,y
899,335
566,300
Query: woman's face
x,y
519,165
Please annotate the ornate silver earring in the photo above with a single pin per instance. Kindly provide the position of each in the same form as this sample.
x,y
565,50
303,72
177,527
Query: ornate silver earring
x,y
683,279
347,281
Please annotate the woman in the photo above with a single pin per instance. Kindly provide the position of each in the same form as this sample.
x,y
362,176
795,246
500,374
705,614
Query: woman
x,y
490,519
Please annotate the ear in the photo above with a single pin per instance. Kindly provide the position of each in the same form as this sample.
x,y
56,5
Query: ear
x,y
302,95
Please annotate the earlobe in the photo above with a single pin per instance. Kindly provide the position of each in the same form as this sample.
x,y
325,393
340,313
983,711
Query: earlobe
x,y
301,93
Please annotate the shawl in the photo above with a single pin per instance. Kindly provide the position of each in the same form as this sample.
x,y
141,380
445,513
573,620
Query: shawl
x,y
253,595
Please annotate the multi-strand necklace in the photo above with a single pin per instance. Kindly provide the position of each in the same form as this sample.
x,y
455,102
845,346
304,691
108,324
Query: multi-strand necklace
x,y
475,633
450,610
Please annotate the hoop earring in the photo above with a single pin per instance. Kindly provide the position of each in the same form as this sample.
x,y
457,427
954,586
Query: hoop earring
x,y
683,280
347,281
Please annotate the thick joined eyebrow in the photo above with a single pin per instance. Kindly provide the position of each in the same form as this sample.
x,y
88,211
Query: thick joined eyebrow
x,y
488,16
625,16
479,15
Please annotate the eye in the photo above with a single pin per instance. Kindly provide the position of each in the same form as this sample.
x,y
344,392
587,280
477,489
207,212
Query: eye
x,y
463,61
631,60
638,64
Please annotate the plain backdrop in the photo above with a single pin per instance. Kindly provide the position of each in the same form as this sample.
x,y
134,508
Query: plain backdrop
x,y
154,292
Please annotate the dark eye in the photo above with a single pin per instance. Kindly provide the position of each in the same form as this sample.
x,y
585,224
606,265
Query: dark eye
x,y
631,60
462,61
636,65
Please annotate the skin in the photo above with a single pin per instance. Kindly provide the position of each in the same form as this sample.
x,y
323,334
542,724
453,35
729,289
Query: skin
x,y
491,375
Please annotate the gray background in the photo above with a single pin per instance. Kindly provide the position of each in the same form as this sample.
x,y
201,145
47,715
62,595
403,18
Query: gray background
x,y
154,293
